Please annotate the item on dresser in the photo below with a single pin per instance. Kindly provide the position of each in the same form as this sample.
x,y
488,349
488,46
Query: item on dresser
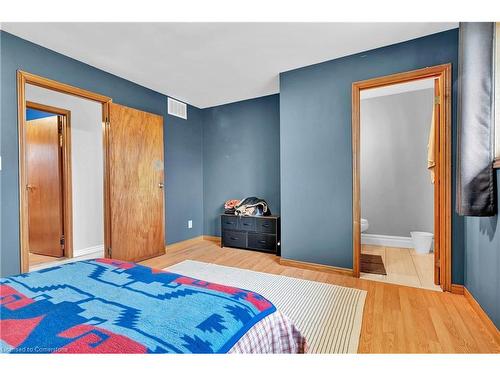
x,y
260,233
253,206
230,206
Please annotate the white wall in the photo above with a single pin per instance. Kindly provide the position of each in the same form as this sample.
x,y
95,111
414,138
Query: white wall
x,y
396,192
86,163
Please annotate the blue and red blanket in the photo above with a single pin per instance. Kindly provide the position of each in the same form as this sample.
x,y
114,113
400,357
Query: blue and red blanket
x,y
110,306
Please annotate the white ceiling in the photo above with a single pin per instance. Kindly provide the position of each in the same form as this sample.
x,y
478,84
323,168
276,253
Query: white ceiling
x,y
207,64
399,88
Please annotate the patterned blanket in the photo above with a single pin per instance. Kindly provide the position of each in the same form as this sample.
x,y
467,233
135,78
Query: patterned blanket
x,y
110,306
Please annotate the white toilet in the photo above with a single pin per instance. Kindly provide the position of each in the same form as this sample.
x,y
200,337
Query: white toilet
x,y
364,225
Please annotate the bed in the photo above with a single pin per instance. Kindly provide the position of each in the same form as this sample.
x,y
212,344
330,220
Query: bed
x,y
112,306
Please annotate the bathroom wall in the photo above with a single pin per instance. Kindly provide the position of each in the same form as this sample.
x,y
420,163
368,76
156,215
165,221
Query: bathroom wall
x,y
86,166
397,195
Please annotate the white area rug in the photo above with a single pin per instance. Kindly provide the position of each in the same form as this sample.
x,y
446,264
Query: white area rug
x,y
329,316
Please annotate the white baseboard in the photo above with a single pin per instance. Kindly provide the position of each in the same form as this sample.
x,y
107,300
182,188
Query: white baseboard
x,y
88,250
384,240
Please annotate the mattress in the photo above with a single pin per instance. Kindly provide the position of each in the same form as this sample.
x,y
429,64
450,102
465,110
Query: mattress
x,y
111,306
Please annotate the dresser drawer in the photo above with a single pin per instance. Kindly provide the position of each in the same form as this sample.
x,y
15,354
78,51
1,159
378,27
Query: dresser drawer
x,y
229,222
261,241
235,238
266,225
247,224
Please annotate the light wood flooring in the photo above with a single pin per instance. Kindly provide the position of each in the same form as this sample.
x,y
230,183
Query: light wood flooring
x,y
403,267
396,319
37,259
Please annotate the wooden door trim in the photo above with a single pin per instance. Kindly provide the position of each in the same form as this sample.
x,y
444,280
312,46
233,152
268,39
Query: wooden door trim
x,y
64,88
24,78
443,175
66,169
437,229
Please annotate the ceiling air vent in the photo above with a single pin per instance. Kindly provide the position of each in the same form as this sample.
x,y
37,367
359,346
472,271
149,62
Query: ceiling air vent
x,y
177,108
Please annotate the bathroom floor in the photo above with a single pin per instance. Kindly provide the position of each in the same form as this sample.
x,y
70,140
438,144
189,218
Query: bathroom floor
x,y
403,266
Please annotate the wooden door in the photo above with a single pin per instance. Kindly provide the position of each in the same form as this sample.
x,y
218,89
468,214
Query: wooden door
x,y
437,218
45,203
136,177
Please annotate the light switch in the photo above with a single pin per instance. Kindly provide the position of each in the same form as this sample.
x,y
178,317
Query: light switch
x,y
190,224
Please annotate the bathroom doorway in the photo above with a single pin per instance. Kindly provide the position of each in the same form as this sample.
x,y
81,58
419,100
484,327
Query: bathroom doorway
x,y
401,178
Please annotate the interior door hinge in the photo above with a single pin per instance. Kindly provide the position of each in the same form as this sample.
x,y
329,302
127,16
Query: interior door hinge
x,y
60,132
437,99
62,241
108,252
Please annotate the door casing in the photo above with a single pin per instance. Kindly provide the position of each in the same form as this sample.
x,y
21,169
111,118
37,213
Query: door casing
x,y
442,189
65,118
24,78
45,199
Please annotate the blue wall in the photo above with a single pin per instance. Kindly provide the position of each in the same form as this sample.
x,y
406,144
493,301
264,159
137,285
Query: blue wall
x,y
316,151
33,114
482,261
182,139
219,152
184,175
240,155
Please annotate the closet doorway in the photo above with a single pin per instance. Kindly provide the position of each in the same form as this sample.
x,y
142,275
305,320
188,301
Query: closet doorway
x,y
49,183
131,181
440,76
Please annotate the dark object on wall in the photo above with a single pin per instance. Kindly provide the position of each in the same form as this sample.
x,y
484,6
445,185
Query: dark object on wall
x,y
253,206
251,232
475,174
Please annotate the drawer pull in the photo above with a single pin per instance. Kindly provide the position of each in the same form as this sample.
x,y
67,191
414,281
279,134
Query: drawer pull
x,y
262,242
229,222
265,225
234,238
246,224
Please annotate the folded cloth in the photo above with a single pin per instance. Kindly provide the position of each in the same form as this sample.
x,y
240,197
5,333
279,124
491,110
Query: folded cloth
x,y
431,148
253,206
230,206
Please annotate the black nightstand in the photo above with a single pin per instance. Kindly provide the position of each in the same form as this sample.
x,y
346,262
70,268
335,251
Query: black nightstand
x,y
260,233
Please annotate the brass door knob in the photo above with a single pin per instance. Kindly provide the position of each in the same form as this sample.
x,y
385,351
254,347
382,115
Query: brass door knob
x,y
160,185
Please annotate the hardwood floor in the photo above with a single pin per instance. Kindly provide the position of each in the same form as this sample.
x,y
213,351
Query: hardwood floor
x,y
36,259
403,267
397,319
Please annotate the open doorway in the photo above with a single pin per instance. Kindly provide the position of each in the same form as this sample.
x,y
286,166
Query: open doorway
x,y
402,178
397,184
129,212
63,163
